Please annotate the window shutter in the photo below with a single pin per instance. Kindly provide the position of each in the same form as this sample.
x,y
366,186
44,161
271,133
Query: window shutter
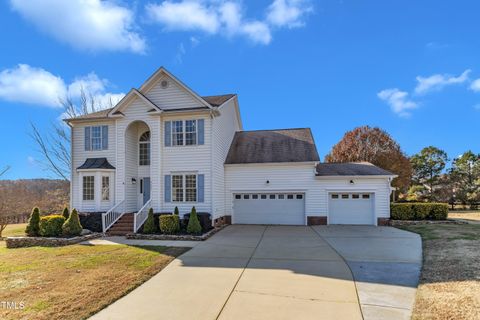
x,y
168,188
201,131
168,133
104,137
201,188
87,139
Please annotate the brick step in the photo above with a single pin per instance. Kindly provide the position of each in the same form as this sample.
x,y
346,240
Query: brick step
x,y
123,223
117,233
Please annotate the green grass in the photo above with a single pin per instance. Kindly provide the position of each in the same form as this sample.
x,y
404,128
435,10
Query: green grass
x,y
445,232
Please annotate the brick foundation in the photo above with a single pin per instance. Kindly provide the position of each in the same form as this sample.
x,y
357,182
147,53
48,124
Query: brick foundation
x,y
223,220
383,221
316,220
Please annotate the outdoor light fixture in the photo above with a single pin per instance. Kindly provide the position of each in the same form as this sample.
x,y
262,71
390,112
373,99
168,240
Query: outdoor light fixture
x,y
268,181
352,182
134,181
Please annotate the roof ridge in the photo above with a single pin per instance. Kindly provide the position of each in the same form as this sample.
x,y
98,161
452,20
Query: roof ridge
x,y
304,128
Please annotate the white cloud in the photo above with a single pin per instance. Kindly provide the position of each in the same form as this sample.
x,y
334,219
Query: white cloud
x,y
437,82
398,101
288,13
475,86
26,84
227,17
84,24
477,107
31,85
194,41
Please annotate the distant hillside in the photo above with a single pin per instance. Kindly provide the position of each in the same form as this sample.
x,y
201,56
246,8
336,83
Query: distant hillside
x,y
20,196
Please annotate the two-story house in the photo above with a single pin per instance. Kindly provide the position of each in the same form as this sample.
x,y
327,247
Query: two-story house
x,y
163,146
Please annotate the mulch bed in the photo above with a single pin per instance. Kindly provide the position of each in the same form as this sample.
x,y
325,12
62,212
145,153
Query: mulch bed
x,y
184,237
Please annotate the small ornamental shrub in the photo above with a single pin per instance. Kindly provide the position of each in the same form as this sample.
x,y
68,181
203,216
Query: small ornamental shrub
x,y
51,226
149,227
194,226
175,211
169,223
418,211
33,227
66,213
72,226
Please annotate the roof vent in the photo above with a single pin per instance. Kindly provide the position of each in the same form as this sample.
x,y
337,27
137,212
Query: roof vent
x,y
164,84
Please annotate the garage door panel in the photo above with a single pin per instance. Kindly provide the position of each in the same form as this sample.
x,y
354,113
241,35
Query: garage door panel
x,y
351,208
264,210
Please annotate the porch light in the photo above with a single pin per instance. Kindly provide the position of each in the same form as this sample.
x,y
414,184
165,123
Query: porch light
x,y
352,182
134,181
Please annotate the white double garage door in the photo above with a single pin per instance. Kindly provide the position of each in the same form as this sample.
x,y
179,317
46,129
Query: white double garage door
x,y
289,208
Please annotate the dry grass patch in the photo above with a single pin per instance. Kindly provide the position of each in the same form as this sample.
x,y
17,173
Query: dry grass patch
x,y
472,215
14,230
74,282
450,283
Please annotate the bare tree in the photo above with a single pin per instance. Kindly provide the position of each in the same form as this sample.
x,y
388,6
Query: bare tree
x,y
54,145
4,170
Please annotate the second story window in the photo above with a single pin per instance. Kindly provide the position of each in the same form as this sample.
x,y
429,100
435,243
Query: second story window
x,y
184,132
190,132
96,138
144,149
177,133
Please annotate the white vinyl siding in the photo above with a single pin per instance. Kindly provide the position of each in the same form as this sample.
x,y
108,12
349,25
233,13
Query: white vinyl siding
x,y
223,130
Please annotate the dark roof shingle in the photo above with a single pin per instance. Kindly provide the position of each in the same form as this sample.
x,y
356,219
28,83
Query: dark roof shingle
x,y
217,101
96,163
265,146
351,169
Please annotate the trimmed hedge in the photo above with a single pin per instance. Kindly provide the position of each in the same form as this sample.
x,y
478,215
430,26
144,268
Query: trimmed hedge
x,y
169,224
72,226
418,211
66,213
51,226
33,226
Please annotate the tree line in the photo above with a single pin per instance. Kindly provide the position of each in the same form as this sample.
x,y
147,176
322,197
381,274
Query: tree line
x,y
429,175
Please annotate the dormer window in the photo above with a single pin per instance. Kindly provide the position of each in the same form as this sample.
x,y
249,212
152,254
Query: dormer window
x,y
144,149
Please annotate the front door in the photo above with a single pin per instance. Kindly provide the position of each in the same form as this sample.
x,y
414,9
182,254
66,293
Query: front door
x,y
146,189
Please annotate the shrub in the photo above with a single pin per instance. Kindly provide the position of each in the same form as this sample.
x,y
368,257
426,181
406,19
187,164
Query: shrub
x,y
33,227
401,211
66,213
72,226
149,226
169,224
193,223
419,211
51,226
175,211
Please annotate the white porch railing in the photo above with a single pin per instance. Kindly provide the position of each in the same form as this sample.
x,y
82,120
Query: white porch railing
x,y
140,217
112,215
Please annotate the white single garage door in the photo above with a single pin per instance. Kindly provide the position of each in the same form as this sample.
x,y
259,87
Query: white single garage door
x,y
351,208
269,208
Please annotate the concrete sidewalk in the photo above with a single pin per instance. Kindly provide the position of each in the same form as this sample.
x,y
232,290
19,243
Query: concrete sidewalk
x,y
386,264
248,272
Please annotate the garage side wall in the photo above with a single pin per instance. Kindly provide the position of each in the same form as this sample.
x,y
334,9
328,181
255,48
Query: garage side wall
x,y
301,178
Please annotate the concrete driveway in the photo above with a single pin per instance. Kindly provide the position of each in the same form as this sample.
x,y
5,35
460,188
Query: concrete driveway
x,y
248,272
284,272
386,264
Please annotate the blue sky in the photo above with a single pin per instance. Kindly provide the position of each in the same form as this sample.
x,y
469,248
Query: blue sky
x,y
407,66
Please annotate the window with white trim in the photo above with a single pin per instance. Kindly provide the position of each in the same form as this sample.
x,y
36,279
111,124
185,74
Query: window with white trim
x,y
184,133
96,138
144,149
88,188
184,188
105,188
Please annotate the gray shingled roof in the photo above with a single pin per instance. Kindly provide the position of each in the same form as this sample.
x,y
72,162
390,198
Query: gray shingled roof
x,y
264,146
96,163
215,101
351,169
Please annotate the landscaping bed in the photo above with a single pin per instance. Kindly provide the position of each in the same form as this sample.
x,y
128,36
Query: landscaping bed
x,y
395,223
74,282
179,236
19,242
449,285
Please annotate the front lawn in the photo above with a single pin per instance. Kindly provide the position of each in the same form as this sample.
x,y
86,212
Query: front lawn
x,y
449,286
471,215
74,282
14,230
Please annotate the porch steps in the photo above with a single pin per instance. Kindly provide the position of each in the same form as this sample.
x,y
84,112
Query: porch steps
x,y
123,226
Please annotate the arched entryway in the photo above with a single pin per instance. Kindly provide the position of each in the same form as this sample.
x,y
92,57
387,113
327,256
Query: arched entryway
x,y
137,165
